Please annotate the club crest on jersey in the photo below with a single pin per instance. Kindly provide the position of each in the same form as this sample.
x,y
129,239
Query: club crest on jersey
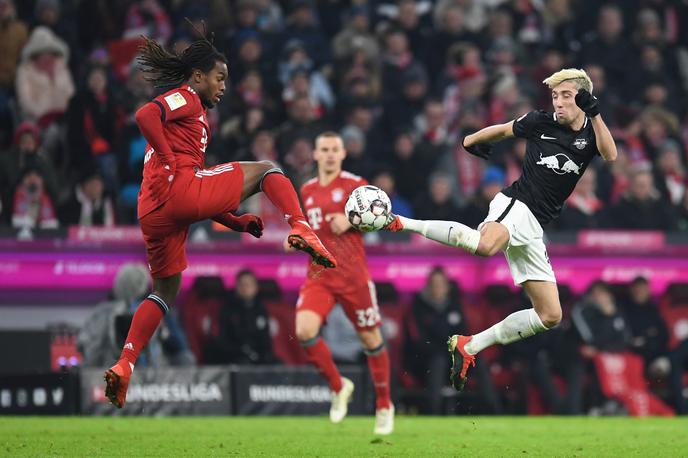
x,y
580,143
309,201
559,164
337,195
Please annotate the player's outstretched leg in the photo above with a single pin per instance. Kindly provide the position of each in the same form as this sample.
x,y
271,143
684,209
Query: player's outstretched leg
x,y
146,320
448,233
265,176
461,361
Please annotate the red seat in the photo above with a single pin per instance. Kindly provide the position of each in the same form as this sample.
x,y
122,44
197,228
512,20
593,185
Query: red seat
x,y
199,312
285,345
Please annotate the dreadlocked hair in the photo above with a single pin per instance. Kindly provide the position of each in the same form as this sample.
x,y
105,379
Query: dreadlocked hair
x,y
164,68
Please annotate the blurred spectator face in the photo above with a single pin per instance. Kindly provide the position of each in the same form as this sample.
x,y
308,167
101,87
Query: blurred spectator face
x,y
651,58
32,184
642,186
640,291
27,143
440,189
254,118
403,146
385,181
302,16
300,155
263,146
415,90
45,62
438,286
301,110
252,82
559,8
500,24
359,21
93,188
250,51
610,23
603,299
670,161
329,153
48,13
408,17
247,15
655,94
246,286
649,25
396,43
7,10
588,183
654,130
362,118
434,114
97,81
300,83
453,21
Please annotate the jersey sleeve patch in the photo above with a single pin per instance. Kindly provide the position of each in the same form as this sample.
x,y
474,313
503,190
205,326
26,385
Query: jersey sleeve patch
x,y
175,100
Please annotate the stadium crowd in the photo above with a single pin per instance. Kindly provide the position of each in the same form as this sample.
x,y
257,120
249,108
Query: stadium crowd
x,y
402,81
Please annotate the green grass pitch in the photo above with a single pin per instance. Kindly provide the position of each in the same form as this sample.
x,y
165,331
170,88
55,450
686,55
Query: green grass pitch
x,y
315,436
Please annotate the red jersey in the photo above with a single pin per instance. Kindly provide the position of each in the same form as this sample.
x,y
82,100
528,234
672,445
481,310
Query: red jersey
x,y
318,202
187,132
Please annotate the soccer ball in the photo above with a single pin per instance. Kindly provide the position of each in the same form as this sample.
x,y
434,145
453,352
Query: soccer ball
x,y
368,208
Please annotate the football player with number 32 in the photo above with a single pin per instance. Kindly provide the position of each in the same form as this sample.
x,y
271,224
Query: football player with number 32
x,y
323,199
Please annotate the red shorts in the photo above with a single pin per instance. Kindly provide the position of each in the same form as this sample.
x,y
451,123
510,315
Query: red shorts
x,y
359,303
196,195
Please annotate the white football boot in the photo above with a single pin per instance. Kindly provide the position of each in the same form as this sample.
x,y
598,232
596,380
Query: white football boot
x,y
384,420
340,401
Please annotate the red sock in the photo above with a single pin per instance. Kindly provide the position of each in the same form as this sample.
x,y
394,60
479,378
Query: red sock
x,y
281,193
378,363
319,355
145,322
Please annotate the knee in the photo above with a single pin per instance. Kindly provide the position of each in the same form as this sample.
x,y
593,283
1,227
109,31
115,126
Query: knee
x,y
550,317
371,340
487,248
306,332
267,165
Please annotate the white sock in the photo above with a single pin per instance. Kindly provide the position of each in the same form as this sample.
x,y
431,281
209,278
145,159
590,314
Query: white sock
x,y
517,326
446,232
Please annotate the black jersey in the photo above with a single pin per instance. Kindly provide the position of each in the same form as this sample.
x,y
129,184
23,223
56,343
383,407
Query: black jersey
x,y
556,158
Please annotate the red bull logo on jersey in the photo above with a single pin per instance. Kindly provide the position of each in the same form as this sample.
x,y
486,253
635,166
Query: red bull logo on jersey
x,y
560,164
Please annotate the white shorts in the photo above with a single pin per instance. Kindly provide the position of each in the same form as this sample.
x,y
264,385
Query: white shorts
x,y
525,252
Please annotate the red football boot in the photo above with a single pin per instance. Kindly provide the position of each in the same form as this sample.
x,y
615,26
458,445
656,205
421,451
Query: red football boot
x,y
460,360
394,224
116,382
303,238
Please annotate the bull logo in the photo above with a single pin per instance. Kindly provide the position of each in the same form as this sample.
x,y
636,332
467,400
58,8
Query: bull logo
x,y
560,164
580,143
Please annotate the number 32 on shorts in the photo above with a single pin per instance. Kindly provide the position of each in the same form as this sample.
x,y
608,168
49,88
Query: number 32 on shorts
x,y
367,317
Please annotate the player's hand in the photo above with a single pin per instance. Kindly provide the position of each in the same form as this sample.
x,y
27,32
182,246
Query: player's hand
x,y
339,223
482,150
250,223
588,103
162,182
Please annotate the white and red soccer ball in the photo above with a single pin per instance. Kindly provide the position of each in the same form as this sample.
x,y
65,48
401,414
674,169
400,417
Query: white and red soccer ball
x,y
368,208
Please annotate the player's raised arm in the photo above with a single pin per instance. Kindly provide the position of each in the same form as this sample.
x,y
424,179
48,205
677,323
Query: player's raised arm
x,y
479,143
603,138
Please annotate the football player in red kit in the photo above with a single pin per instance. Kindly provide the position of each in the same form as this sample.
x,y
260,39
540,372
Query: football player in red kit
x,y
177,190
350,285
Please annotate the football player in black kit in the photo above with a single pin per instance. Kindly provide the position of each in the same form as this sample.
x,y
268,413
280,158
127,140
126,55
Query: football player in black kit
x,y
559,147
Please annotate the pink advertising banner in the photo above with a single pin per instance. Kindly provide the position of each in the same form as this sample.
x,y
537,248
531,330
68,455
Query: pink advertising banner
x,y
60,270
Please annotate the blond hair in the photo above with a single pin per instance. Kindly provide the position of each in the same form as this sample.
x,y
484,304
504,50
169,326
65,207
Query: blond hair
x,y
575,75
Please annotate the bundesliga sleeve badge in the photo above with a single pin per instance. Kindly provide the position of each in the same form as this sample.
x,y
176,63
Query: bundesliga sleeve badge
x,y
175,101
